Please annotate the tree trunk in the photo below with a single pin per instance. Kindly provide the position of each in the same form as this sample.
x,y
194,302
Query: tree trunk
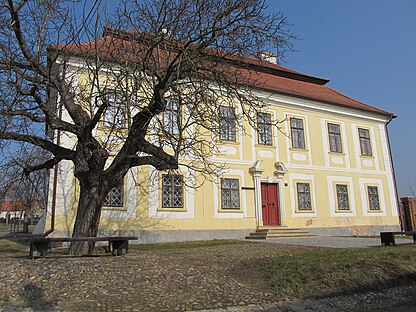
x,y
88,217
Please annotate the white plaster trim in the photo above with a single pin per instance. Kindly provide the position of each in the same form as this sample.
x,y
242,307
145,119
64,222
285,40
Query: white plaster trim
x,y
280,184
65,200
389,170
292,189
265,153
332,199
154,197
130,199
227,150
335,169
357,148
344,141
364,197
288,115
288,101
217,195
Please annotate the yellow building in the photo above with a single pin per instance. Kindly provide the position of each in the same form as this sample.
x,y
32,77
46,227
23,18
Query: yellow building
x,y
328,170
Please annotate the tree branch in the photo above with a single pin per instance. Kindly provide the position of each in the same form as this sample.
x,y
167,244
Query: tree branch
x,y
14,14
46,165
56,150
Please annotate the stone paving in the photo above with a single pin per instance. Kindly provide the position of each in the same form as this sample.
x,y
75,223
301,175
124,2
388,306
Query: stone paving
x,y
203,278
171,280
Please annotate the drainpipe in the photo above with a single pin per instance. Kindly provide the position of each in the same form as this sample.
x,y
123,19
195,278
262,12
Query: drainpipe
x,y
392,165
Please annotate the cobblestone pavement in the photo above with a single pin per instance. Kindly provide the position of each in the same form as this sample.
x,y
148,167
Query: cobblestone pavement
x,y
166,280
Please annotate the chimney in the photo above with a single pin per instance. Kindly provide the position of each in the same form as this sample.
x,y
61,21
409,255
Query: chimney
x,y
268,57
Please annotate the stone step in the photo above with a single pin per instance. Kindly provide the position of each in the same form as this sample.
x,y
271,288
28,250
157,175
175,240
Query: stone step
x,y
281,232
278,232
283,229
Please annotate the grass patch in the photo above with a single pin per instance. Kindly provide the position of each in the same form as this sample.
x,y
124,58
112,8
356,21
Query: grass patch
x,y
10,248
330,272
186,245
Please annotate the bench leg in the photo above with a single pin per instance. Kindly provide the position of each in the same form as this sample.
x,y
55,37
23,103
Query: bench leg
x,y
39,249
387,239
120,247
414,238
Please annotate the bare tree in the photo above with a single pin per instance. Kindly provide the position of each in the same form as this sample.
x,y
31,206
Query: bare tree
x,y
29,191
159,81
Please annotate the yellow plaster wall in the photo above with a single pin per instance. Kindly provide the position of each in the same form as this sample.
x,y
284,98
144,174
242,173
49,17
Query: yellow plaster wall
x,y
314,164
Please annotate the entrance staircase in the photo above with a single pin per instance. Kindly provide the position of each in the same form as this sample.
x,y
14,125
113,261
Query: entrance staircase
x,y
278,232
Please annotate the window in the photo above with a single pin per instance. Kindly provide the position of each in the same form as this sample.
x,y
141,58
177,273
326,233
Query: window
x,y
264,124
304,196
342,197
365,143
114,197
373,200
334,134
171,117
298,137
172,191
115,114
227,124
230,194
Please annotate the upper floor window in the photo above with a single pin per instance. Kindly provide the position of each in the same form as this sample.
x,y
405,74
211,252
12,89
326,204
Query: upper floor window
x,y
342,197
230,194
264,128
304,196
114,197
171,117
365,142
115,113
172,191
297,132
227,123
373,200
334,133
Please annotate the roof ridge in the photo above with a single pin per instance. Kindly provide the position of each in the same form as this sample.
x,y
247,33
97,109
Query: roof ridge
x,y
241,59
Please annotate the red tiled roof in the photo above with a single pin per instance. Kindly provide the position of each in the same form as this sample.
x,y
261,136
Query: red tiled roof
x,y
261,74
308,90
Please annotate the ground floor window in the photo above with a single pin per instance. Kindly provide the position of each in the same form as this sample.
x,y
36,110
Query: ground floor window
x,y
230,194
342,197
304,196
172,191
114,198
373,200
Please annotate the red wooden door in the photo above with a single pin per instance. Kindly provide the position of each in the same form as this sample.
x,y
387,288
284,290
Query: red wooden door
x,y
270,204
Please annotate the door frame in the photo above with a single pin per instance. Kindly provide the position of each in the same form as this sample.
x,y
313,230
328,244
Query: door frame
x,y
280,184
278,201
278,178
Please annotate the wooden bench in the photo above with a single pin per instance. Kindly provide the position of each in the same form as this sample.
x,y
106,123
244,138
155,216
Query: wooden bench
x,y
387,238
41,246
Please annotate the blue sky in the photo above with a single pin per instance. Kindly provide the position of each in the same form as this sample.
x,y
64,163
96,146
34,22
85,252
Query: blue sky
x,y
367,48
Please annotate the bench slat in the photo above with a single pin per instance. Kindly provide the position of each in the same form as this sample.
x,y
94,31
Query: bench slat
x,y
40,246
80,239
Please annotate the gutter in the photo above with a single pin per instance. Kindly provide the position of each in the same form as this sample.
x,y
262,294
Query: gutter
x,y
392,167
